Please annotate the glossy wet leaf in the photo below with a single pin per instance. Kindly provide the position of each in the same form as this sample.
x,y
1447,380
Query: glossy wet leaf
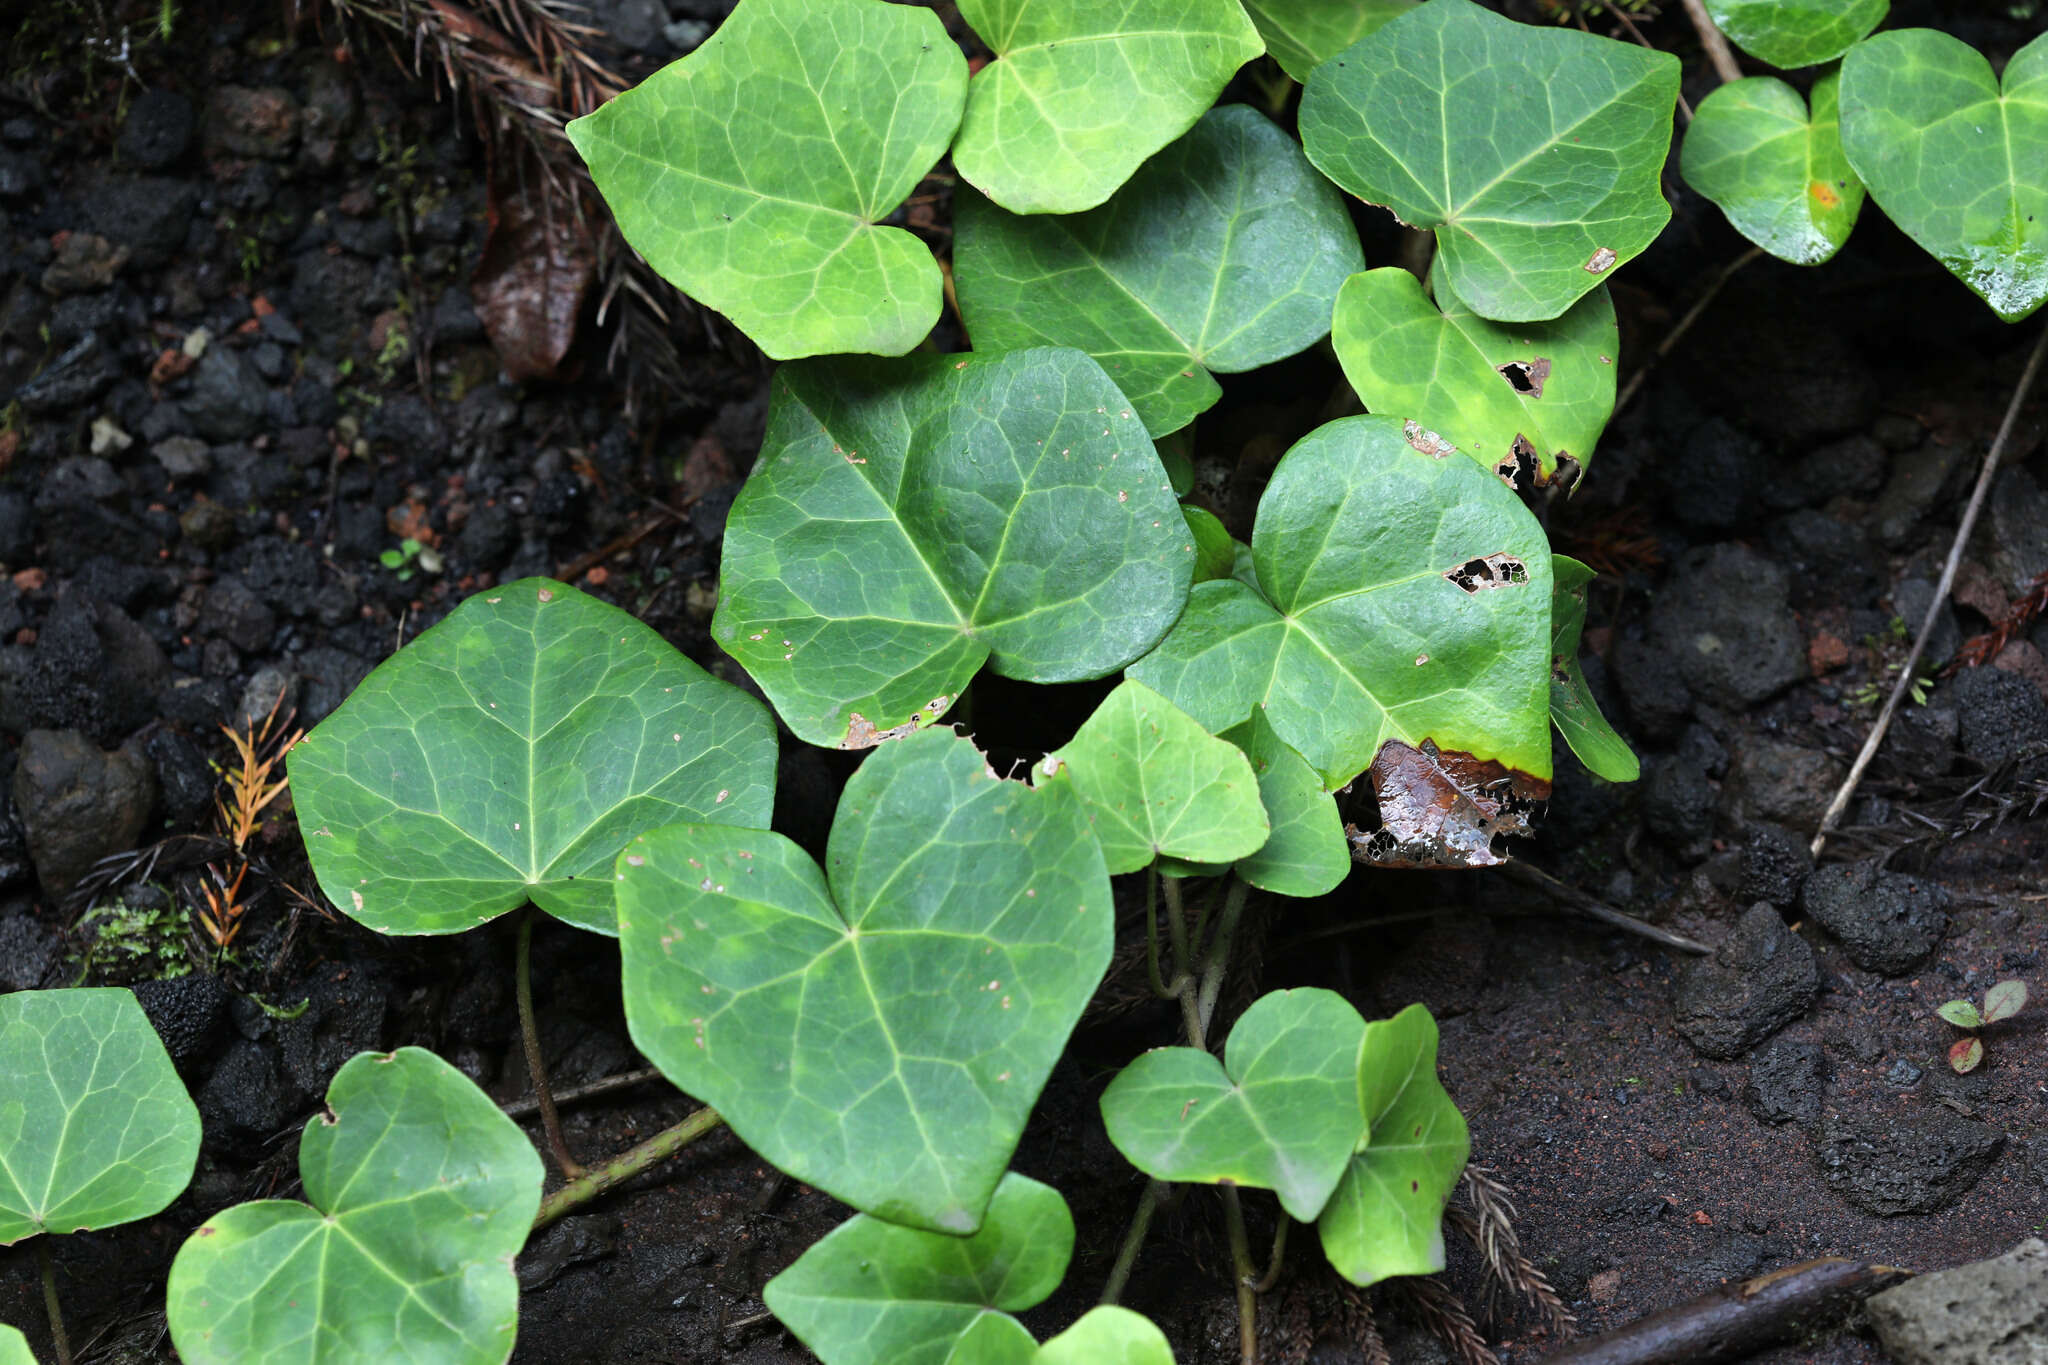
x,y
1572,708
1306,855
1223,253
1523,399
509,753
1795,33
95,1126
1108,1335
1533,153
1279,1112
754,172
14,1347
1961,1013
1954,159
419,1192
1301,34
1775,169
879,1028
2004,1000
1083,91
910,519
1965,1054
876,1293
1386,1217
1215,551
1401,595
1156,783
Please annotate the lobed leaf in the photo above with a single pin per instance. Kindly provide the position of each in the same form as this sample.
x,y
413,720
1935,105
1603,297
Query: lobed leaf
x,y
1954,158
872,1292
1223,253
910,519
419,1194
1302,34
1402,595
1533,153
1527,401
1777,171
1572,708
1306,855
881,1028
509,753
754,173
1793,33
1386,1217
1083,91
1280,1112
95,1126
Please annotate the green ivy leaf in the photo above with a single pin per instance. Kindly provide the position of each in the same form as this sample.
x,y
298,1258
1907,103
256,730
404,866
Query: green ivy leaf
x,y
1307,853
1083,91
420,1192
1955,162
1525,400
2004,1000
876,1293
1776,171
1961,1013
1386,1217
911,519
1572,708
509,753
1795,33
1108,1335
14,1347
1302,34
1215,551
1223,253
1156,783
1279,1112
1536,190
95,1126
880,1029
1403,595
753,172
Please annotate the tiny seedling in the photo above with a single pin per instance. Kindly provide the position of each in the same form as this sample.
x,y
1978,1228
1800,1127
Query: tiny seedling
x,y
2002,1001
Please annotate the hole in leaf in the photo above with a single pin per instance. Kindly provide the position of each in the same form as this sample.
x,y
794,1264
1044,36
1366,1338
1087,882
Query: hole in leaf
x,y
1520,467
1497,570
1526,377
1426,441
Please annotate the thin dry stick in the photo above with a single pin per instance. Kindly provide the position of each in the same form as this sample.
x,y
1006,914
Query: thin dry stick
x,y
625,1080
1941,592
1566,894
1718,52
1677,334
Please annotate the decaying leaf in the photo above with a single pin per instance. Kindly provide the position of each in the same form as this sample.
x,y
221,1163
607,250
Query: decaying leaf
x,y
537,269
1443,809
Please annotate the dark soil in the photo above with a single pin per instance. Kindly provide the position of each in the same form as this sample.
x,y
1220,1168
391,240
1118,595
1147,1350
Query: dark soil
x,y
183,542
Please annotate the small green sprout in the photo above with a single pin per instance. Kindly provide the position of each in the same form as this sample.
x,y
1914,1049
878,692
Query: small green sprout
x,y
2002,1001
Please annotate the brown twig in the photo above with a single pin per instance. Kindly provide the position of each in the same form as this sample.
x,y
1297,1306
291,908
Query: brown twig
x,y
1979,650
1715,44
627,1080
1537,879
1941,592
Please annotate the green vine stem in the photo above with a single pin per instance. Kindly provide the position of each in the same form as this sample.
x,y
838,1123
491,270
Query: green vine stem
x,y
529,1036
1272,1275
1183,980
1159,986
1134,1241
1218,960
59,1338
1244,1274
599,1179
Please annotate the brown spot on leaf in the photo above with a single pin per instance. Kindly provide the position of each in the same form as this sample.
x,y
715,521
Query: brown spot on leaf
x,y
861,733
1427,441
1823,195
1443,809
1601,261
1497,570
1521,465
1526,376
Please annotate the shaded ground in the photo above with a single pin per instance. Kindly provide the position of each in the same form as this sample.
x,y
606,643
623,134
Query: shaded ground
x,y
182,540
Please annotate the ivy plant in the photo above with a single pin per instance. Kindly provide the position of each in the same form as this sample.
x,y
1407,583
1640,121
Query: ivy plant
x,y
1773,162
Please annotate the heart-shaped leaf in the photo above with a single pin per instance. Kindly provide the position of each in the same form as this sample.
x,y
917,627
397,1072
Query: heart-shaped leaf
x,y
1081,93
753,172
882,1030
1306,855
1955,162
1961,1013
1108,1335
1794,33
509,753
1155,782
1279,1112
1301,34
910,519
95,1126
420,1192
1224,253
2004,1000
1776,171
876,1293
14,1347
1538,186
1404,593
1527,401
1572,708
1386,1217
